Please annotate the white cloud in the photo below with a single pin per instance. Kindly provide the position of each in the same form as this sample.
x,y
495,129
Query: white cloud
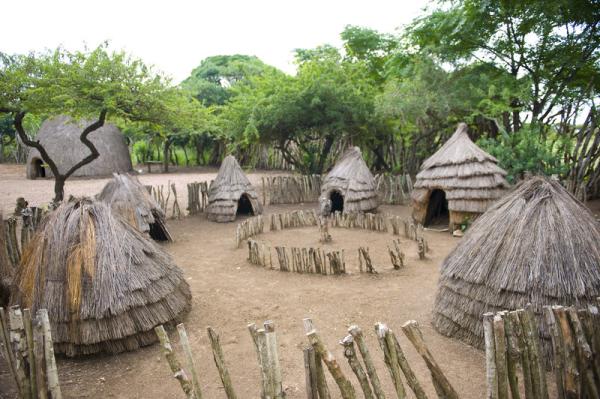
x,y
176,35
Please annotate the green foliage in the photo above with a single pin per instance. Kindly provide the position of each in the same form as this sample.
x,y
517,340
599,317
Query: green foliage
x,y
522,152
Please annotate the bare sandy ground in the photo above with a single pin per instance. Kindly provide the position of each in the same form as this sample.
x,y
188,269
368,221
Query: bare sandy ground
x,y
228,293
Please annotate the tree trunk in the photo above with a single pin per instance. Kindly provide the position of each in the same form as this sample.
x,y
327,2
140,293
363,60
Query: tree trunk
x,y
166,152
326,148
59,188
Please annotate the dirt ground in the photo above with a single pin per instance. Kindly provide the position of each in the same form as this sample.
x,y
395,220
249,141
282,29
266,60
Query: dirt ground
x,y
228,293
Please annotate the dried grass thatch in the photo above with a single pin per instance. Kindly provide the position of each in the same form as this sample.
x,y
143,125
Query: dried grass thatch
x,y
231,193
537,245
130,199
351,179
60,138
469,177
105,285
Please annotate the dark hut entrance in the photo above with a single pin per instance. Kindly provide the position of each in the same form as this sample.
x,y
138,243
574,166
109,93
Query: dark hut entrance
x,y
337,201
244,206
158,229
38,168
437,209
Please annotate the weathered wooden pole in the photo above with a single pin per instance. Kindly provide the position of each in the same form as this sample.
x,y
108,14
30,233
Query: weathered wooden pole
x,y
350,355
413,333
220,363
490,356
515,320
501,366
357,334
51,369
390,358
176,369
346,388
513,356
532,338
187,349
310,373
411,378
322,387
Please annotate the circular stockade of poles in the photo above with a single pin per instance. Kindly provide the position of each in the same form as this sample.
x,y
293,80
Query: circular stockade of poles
x,y
324,258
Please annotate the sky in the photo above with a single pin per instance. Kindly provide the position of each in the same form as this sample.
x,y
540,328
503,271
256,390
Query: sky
x,y
175,35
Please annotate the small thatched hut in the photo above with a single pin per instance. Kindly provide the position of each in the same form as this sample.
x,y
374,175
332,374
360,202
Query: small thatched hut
x,y
350,186
459,182
231,194
105,285
60,138
536,245
130,199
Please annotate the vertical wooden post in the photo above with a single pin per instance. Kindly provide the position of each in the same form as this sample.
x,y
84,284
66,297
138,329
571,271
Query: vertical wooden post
x,y
584,353
490,356
346,388
187,349
501,367
513,356
19,349
322,387
413,333
6,346
515,320
40,363
27,324
178,372
357,334
350,355
310,373
572,379
391,358
51,370
220,363
557,350
273,360
411,378
532,337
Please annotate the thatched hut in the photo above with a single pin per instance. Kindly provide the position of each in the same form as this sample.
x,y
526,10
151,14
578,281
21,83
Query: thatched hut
x,y
457,183
105,285
350,186
130,199
231,194
60,138
536,245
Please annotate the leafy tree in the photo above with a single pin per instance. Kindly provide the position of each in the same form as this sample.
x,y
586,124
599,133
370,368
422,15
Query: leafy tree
x,y
91,84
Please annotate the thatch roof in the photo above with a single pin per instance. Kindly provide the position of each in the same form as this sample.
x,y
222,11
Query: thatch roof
x,y
105,285
131,200
226,190
536,245
60,138
470,176
352,178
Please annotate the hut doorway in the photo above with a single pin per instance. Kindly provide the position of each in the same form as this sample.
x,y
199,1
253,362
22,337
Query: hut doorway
x,y
437,209
244,206
38,168
337,201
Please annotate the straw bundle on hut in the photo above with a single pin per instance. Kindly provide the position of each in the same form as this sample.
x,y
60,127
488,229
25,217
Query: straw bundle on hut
x,y
350,186
131,200
105,285
231,194
536,245
458,182
59,133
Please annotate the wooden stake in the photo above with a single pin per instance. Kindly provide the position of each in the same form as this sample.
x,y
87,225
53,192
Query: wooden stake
x,y
357,334
51,370
310,373
273,361
538,371
557,350
584,353
321,380
187,349
176,369
413,333
513,356
40,362
346,388
501,366
27,324
411,378
350,355
490,356
516,325
391,358
220,363
6,347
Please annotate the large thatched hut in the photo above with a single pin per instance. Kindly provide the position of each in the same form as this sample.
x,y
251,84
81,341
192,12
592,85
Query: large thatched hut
x,y
457,183
231,194
350,186
60,138
105,285
536,245
130,199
